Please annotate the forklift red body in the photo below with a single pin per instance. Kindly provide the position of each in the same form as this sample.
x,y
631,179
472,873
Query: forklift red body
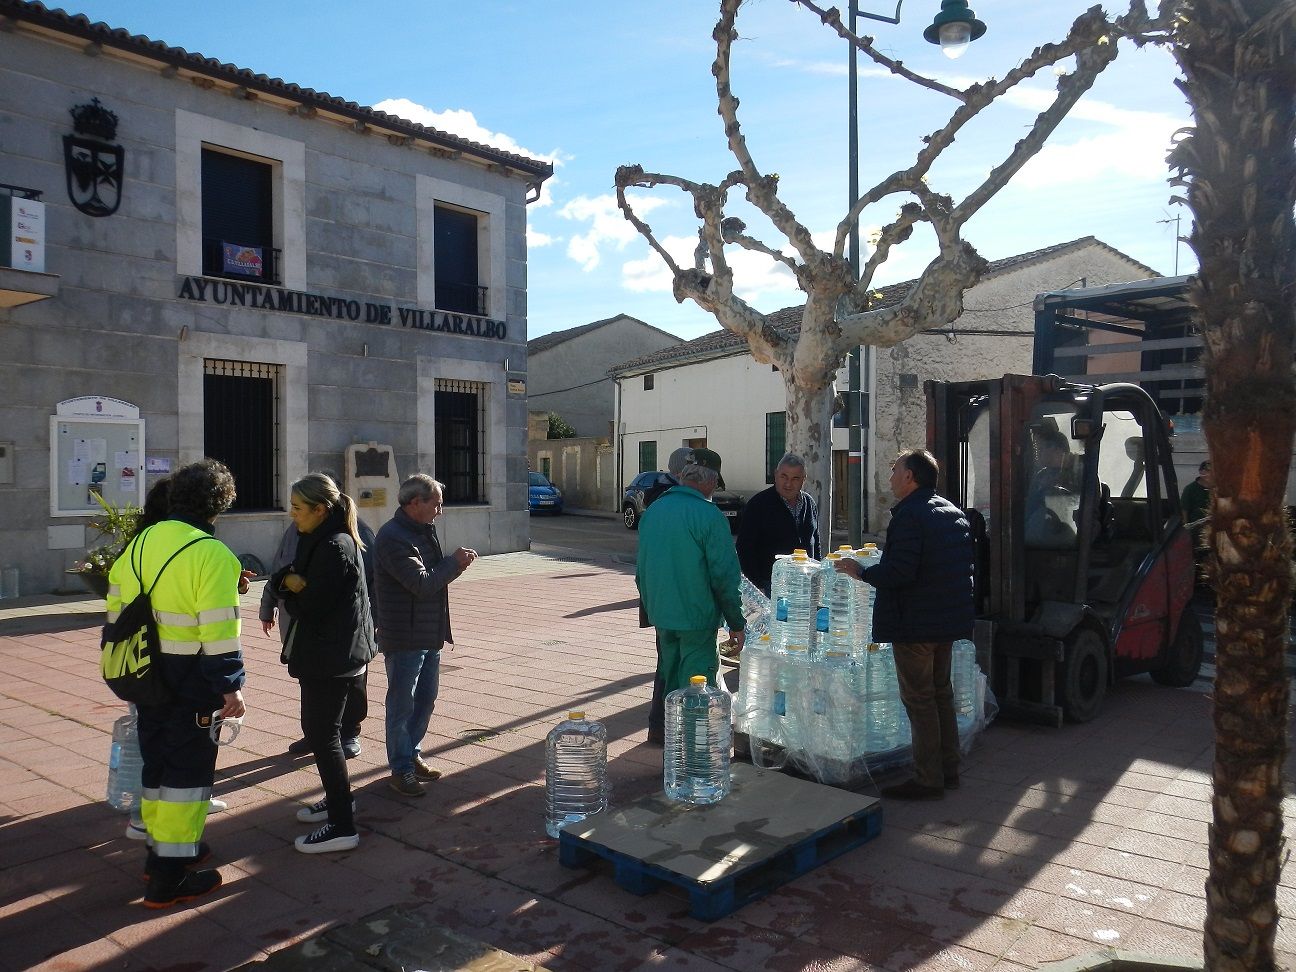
x,y
1084,571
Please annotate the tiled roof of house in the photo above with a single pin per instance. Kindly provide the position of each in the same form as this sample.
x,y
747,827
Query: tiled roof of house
x,y
546,341
78,25
720,344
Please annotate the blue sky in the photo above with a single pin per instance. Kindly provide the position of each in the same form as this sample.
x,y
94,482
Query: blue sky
x,y
593,84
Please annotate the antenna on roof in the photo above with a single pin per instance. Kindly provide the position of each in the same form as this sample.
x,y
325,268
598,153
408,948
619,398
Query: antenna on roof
x,y
1178,239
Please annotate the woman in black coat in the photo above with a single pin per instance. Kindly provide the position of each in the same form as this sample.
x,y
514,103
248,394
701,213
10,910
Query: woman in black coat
x,y
328,646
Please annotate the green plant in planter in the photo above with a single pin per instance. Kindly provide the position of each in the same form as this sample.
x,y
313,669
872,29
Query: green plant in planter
x,y
115,527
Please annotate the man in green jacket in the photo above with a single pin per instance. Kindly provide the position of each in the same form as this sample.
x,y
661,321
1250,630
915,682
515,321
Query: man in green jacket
x,y
687,576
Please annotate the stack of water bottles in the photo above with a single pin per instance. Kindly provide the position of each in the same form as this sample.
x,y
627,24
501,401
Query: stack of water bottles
x,y
818,691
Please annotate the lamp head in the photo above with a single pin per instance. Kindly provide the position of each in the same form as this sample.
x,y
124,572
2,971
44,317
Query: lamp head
x,y
953,28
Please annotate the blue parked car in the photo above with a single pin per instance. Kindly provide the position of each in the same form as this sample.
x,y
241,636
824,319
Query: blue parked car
x,y
542,495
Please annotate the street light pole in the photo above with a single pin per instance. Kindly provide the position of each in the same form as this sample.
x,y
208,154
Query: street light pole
x,y
859,358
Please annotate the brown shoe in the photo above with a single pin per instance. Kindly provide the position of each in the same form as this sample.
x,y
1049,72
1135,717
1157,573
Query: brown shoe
x,y
406,785
913,790
425,772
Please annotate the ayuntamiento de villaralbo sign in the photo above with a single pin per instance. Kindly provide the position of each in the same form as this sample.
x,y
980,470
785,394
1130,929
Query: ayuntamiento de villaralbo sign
x,y
235,294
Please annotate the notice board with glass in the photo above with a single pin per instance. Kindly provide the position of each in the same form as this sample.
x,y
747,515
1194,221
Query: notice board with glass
x,y
95,455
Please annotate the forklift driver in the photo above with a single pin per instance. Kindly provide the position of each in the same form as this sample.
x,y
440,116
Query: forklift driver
x,y
1051,492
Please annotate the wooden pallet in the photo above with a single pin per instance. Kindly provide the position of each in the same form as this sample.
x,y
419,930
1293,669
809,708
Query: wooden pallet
x,y
769,830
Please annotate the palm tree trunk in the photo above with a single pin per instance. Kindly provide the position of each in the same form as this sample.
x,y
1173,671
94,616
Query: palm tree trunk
x,y
1239,67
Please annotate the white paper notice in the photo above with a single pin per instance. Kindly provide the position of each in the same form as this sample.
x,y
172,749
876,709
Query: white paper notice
x,y
81,450
77,471
98,450
128,480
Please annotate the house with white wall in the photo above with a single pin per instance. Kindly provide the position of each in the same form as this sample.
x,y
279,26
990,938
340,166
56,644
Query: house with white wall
x,y
711,391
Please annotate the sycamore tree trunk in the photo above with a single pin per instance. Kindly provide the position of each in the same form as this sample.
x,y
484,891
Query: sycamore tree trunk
x,y
1239,64
809,435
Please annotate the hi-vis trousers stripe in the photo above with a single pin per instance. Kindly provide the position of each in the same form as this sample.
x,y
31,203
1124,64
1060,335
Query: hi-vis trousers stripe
x,y
175,818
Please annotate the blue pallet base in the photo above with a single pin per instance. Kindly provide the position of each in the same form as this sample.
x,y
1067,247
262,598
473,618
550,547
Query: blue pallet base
x,y
670,839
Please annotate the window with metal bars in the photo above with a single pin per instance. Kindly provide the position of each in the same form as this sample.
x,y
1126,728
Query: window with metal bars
x,y
241,427
461,439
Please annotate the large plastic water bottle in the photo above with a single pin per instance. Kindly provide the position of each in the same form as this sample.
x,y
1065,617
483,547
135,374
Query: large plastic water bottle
x,y
835,618
576,784
963,676
881,692
792,592
755,608
125,763
867,556
752,710
699,740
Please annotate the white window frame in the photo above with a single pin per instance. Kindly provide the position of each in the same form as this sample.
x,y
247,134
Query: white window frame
x,y
287,159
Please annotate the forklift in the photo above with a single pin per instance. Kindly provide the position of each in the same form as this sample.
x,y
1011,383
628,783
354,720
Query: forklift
x,y
1084,569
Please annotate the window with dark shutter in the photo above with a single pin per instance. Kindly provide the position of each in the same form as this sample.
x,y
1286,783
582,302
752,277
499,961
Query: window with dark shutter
x,y
456,265
647,456
238,218
775,441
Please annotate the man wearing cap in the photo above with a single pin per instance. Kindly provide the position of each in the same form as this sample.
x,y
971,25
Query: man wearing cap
x,y
657,708
687,574
777,521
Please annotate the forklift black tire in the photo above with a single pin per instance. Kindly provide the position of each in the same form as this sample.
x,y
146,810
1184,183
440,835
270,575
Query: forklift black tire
x,y
1184,658
1084,676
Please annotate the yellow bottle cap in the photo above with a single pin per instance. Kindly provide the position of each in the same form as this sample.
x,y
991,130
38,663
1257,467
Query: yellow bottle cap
x,y
576,714
698,680
800,554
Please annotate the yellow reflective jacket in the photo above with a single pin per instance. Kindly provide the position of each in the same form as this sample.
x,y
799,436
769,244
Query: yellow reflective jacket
x,y
195,603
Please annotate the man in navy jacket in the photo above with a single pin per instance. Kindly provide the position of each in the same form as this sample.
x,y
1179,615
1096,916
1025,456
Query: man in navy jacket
x,y
923,605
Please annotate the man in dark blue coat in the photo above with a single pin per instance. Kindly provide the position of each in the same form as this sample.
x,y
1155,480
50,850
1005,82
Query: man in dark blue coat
x,y
923,605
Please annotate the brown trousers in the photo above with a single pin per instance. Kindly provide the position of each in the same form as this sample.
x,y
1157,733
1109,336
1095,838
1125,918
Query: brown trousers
x,y
923,668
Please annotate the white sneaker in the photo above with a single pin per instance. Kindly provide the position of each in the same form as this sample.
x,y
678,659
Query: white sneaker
x,y
326,839
217,806
317,812
136,831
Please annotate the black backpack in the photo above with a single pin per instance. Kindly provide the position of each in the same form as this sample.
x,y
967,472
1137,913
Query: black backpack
x,y
130,657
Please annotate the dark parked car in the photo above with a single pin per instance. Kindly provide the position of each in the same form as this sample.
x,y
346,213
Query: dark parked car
x,y
647,486
542,495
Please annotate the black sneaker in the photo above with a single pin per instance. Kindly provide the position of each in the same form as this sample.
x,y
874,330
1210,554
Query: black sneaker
x,y
351,747
406,785
165,891
317,812
328,838
299,748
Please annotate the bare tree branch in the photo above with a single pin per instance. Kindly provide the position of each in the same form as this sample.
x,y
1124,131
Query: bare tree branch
x,y
832,17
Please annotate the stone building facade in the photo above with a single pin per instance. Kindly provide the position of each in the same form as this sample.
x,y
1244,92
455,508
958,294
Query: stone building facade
x,y
280,275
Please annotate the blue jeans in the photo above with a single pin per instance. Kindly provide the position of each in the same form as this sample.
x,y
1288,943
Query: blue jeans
x,y
413,678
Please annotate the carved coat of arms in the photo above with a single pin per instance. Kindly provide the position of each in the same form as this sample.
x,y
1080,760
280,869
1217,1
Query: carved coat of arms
x,y
94,164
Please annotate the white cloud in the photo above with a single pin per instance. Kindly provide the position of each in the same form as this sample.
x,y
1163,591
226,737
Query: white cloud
x,y
608,228
536,239
757,278
459,121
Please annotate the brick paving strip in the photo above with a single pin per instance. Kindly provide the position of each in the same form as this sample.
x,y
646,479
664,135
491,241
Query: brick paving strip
x,y
1060,842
